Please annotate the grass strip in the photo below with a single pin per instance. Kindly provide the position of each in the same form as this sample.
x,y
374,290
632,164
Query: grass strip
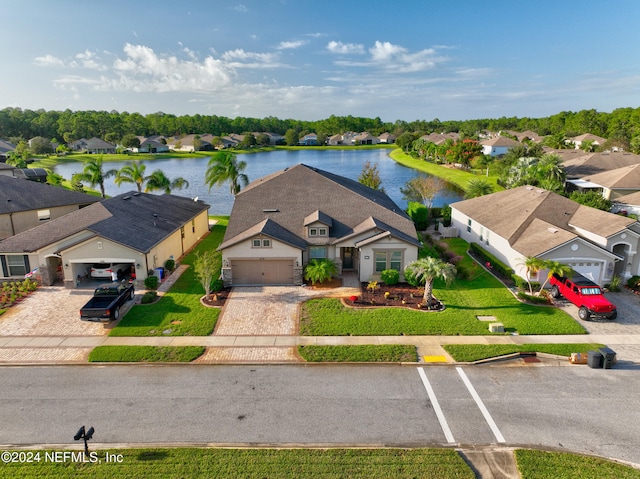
x,y
560,465
256,464
369,353
179,312
145,354
478,352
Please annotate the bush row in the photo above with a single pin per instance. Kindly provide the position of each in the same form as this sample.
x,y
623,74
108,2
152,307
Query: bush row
x,y
496,265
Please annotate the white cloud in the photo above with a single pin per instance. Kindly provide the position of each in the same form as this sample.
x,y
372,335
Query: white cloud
x,y
48,60
291,45
89,60
240,8
385,51
345,48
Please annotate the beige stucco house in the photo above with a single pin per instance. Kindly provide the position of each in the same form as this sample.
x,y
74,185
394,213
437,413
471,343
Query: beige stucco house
x,y
282,221
139,229
26,204
529,221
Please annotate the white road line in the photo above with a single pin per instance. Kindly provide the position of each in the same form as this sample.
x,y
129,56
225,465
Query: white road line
x,y
436,407
481,406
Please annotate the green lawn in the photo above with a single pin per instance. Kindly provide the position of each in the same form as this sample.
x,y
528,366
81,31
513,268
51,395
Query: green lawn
x,y
370,353
561,465
477,352
481,295
179,312
457,177
145,354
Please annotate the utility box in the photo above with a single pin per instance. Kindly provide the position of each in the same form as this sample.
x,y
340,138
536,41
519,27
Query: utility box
x,y
594,359
496,327
608,357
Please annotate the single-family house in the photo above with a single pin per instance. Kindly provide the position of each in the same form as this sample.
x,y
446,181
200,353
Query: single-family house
x,y
529,221
309,139
5,148
498,146
188,143
440,138
578,164
335,140
27,204
612,184
282,221
151,145
96,146
627,204
387,138
366,138
140,229
579,140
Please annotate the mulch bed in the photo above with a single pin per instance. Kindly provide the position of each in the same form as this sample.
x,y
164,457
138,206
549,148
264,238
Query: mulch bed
x,y
218,298
332,283
401,295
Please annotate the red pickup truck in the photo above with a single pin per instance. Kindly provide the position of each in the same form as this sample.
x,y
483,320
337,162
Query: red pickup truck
x,y
585,294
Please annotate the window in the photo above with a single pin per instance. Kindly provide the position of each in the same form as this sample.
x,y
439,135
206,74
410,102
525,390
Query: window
x,y
388,260
193,226
317,252
481,234
44,215
313,231
322,231
469,225
261,243
487,239
16,265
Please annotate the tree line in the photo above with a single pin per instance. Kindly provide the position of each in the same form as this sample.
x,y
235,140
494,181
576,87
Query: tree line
x,y
621,126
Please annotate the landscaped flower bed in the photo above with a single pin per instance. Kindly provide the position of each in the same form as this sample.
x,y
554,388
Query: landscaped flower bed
x,y
401,294
14,291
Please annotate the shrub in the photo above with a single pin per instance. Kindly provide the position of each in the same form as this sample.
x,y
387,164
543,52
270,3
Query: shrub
x,y
614,285
151,282
320,270
410,278
532,299
419,214
149,297
216,285
633,282
170,264
522,284
390,276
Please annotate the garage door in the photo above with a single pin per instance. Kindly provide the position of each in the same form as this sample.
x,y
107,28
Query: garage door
x,y
591,270
266,271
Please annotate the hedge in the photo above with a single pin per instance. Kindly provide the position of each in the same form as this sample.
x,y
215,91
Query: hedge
x,y
498,266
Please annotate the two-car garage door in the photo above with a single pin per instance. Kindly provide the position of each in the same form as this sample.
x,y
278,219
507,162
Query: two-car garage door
x,y
262,271
588,269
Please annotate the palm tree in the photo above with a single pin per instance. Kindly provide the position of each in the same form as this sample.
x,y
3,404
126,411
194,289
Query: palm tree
x,y
158,181
554,267
532,266
427,270
550,166
224,166
478,187
94,174
131,173
320,270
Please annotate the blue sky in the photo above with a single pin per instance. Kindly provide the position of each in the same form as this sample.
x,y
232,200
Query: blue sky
x,y
307,60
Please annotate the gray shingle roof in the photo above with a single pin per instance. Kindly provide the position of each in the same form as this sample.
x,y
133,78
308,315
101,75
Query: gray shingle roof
x,y
137,220
299,192
18,194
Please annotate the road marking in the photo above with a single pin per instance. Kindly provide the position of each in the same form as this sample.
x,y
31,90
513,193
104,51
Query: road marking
x,y
436,407
485,412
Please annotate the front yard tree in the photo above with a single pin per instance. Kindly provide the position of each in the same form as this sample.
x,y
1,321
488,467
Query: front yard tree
x,y
427,270
94,174
555,267
370,176
224,167
131,173
532,265
422,189
206,266
591,198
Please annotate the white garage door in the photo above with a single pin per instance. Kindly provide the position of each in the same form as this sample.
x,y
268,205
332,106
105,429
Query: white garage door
x,y
265,271
591,270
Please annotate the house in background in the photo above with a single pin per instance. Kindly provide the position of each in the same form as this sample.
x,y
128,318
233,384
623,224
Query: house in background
x,y
579,140
529,221
139,229
366,138
282,221
151,145
27,204
578,164
5,149
498,146
612,184
387,138
310,139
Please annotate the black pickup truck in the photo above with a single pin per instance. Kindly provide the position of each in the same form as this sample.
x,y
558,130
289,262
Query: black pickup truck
x,y
106,302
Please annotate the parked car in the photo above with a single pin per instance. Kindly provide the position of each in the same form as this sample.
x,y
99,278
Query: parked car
x,y
106,270
585,294
107,300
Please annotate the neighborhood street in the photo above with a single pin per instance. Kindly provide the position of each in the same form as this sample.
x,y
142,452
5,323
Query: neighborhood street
x,y
594,411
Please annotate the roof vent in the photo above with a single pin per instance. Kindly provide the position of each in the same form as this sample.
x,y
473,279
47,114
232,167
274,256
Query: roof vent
x,y
552,230
136,194
271,210
126,198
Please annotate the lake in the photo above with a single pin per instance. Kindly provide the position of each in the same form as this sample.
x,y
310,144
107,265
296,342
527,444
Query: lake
x,y
347,163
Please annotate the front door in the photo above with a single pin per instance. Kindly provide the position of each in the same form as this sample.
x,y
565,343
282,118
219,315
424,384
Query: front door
x,y
347,258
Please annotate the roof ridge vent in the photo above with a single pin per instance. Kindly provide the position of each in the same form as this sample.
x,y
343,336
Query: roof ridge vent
x,y
126,198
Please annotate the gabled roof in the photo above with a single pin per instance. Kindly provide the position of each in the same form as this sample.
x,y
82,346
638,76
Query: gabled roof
x,y
586,164
97,143
630,199
6,147
318,216
295,195
511,214
589,137
18,194
136,220
269,228
500,141
625,177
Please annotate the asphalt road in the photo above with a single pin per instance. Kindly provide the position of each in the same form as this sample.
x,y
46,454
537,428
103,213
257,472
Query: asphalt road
x,y
574,408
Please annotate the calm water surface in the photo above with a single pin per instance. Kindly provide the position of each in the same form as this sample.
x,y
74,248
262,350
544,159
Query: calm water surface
x,y
347,163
